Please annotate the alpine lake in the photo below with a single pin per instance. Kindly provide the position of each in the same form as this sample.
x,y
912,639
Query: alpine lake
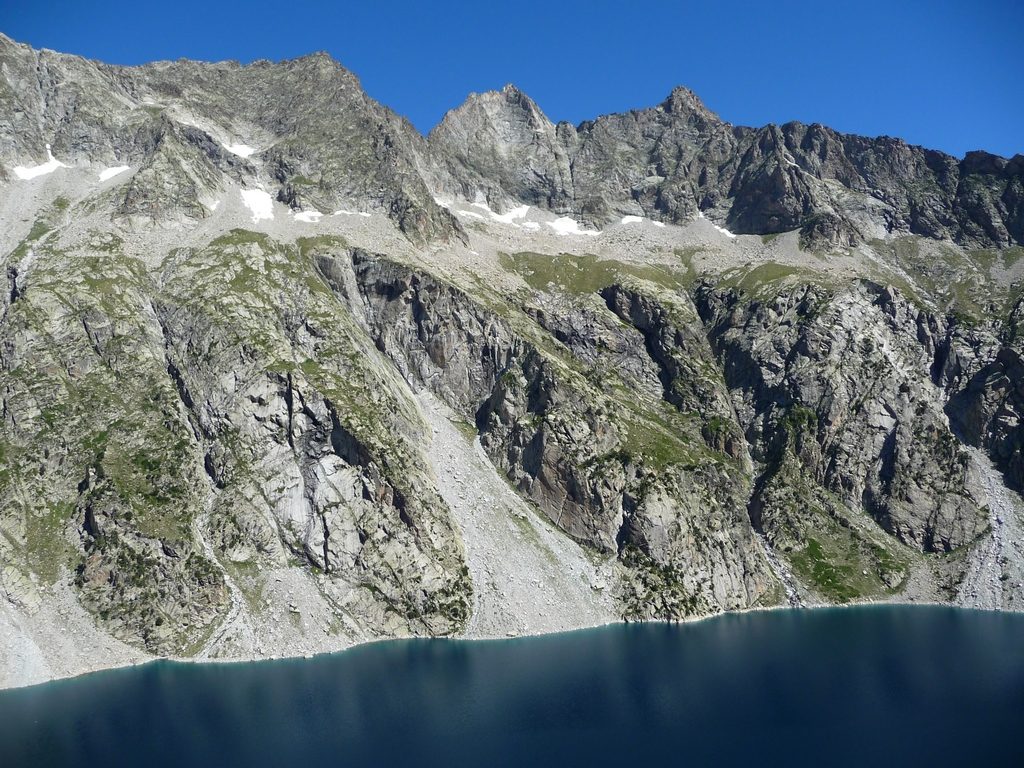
x,y
865,686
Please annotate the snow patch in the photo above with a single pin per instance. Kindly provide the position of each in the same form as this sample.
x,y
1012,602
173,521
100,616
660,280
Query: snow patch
x,y
259,203
723,230
214,204
310,217
533,226
51,165
343,212
242,150
565,225
512,216
109,173
470,214
640,219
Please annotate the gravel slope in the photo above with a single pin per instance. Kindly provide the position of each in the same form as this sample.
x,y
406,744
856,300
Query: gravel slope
x,y
995,568
528,578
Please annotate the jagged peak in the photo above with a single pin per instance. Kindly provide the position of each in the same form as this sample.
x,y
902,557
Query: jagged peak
x,y
509,97
316,58
509,94
683,101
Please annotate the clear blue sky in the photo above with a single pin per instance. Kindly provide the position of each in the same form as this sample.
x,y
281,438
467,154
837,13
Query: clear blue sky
x,y
945,74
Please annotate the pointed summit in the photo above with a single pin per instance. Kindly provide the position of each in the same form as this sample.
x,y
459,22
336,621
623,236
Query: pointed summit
x,y
506,113
509,105
509,90
683,101
501,146
516,97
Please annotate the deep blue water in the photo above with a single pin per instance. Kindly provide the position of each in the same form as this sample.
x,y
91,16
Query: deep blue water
x,y
857,686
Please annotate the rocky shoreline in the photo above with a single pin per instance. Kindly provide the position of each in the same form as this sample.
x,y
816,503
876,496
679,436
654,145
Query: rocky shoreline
x,y
505,606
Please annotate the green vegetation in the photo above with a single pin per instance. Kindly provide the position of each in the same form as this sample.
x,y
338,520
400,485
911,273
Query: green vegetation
x,y
768,278
41,229
840,554
585,273
238,237
844,567
963,284
309,245
105,407
659,436
466,428
685,256
659,589
1012,256
46,538
799,418
832,576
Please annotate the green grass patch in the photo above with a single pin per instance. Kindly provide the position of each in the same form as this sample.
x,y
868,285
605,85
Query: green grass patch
x,y
239,237
832,577
47,546
585,273
767,277
308,245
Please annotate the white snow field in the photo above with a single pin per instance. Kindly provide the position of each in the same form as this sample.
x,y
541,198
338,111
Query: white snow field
x,y
259,203
242,150
565,225
109,173
25,173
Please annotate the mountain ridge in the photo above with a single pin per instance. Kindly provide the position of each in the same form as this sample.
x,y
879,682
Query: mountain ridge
x,y
752,180
324,54
280,375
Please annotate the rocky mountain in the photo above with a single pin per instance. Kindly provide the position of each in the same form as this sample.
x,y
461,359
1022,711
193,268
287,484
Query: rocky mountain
x,y
279,375
678,159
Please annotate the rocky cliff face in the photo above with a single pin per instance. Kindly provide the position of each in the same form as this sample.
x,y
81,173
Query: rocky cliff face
x,y
191,422
561,442
303,131
678,159
230,292
840,379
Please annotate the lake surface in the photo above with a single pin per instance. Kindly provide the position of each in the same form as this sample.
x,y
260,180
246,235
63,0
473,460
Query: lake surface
x,y
855,686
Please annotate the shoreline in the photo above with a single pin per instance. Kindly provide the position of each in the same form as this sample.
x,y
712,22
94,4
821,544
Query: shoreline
x,y
470,483
518,636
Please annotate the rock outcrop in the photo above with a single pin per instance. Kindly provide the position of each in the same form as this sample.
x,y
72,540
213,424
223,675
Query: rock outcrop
x,y
678,158
303,129
679,521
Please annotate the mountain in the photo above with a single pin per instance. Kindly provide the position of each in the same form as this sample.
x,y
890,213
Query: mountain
x,y
679,158
279,375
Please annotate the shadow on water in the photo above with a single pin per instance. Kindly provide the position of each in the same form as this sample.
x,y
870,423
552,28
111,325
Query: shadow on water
x,y
854,686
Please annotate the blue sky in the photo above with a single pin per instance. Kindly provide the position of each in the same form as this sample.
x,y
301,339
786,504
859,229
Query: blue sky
x,y
944,74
